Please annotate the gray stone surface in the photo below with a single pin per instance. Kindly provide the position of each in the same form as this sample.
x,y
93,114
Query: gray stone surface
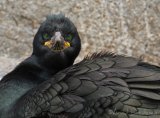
x,y
130,27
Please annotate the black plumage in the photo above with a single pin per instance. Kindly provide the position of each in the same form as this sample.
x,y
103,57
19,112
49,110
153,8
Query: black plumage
x,y
55,47
101,86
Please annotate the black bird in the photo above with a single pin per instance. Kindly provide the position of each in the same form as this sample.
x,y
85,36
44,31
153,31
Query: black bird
x,y
101,86
55,47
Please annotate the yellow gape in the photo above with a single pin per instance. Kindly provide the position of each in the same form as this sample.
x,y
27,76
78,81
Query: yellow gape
x,y
48,43
66,44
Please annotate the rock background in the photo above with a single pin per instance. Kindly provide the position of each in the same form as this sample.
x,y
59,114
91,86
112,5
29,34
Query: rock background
x,y
130,27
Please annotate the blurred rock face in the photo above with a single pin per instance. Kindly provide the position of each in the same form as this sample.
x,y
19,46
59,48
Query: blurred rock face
x,y
130,27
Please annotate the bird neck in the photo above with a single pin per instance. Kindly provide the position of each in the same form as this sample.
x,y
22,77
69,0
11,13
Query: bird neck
x,y
53,64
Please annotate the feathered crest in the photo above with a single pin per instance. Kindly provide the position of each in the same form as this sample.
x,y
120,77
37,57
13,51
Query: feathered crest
x,y
55,16
52,20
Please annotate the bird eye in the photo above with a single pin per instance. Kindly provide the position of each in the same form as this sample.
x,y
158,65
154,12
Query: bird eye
x,y
46,36
69,37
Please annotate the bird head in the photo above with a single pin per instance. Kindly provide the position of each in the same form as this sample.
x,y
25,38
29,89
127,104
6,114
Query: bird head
x,y
57,41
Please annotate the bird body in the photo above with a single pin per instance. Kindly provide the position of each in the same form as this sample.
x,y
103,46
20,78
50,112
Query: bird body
x,y
101,86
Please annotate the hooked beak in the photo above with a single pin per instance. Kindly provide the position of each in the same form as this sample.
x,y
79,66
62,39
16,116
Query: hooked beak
x,y
57,42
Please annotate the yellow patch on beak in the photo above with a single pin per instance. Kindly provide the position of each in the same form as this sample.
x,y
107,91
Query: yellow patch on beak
x,y
48,44
67,44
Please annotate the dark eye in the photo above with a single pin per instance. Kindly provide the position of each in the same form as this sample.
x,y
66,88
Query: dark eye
x,y
69,37
46,36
